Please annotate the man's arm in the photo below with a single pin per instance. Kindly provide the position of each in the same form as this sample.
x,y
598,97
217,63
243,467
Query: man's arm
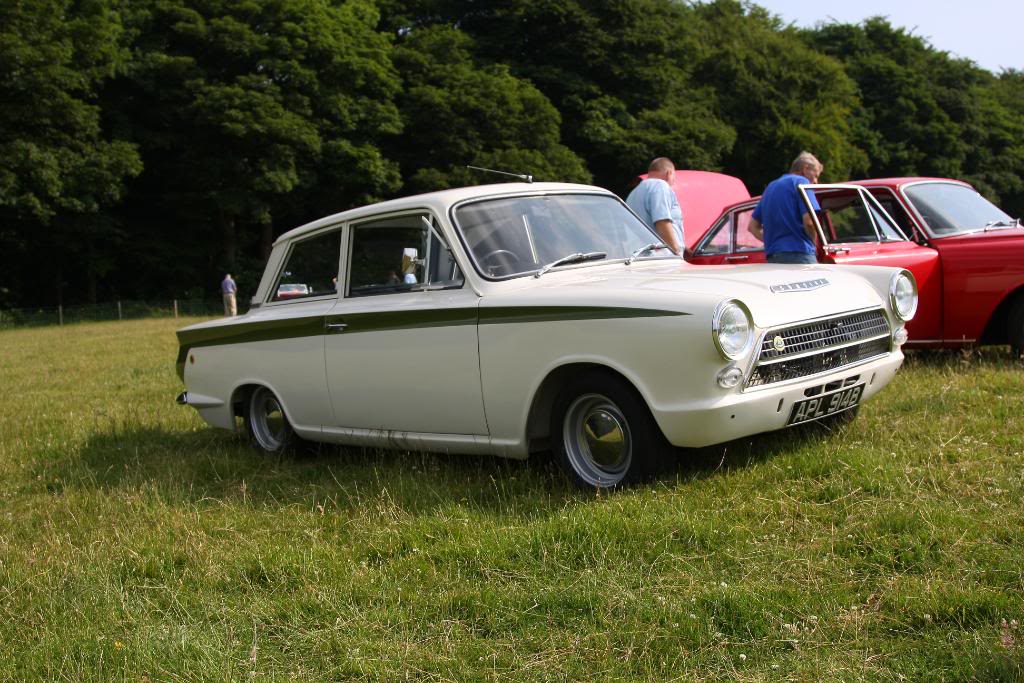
x,y
667,232
809,227
756,229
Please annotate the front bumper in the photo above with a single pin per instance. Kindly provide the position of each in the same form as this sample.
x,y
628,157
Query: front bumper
x,y
703,423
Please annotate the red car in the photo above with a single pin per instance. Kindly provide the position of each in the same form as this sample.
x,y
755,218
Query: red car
x,y
966,253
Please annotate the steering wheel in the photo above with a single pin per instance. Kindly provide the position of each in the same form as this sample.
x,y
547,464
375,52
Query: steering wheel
x,y
503,258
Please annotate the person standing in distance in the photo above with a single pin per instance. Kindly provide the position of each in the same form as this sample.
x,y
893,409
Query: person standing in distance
x,y
655,202
228,289
782,220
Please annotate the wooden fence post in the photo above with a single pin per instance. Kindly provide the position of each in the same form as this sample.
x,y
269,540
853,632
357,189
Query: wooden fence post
x,y
60,315
175,308
119,311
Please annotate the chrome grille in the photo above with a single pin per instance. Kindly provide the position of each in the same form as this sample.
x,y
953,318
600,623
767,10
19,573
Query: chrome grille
x,y
820,346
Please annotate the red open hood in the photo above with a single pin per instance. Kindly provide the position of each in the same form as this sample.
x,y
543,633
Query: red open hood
x,y
702,196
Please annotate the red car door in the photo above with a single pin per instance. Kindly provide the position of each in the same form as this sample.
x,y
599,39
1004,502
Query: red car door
x,y
855,230
729,240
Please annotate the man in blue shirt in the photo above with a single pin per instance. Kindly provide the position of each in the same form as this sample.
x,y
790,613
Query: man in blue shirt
x,y
655,202
782,219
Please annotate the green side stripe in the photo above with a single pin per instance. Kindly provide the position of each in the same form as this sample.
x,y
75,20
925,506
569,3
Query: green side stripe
x,y
533,314
291,328
406,320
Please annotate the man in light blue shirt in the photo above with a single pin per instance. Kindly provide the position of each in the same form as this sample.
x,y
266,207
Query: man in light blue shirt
x,y
655,202
228,289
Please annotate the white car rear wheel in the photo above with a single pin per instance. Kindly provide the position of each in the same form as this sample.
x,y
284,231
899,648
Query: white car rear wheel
x,y
266,423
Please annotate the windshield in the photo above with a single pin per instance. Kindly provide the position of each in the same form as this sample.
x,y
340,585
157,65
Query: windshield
x,y
516,235
948,209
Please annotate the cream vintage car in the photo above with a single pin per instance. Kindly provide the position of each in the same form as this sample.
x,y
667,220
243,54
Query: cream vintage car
x,y
520,318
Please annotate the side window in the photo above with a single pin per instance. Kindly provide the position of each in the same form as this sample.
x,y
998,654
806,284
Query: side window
x,y
745,241
888,230
719,243
848,216
895,209
443,268
311,268
400,254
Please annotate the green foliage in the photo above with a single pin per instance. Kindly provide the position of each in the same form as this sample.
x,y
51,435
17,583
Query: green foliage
x,y
912,94
927,113
147,146
259,100
780,95
54,156
616,72
465,114
60,171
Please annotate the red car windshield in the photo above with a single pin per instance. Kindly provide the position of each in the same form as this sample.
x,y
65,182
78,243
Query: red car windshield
x,y
948,209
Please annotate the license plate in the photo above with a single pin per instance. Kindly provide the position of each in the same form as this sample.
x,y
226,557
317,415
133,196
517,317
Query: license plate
x,y
822,406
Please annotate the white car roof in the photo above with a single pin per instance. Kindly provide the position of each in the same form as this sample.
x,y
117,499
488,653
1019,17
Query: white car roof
x,y
439,201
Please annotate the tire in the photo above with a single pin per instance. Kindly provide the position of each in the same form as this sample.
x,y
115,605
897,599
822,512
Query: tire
x,y
603,434
266,423
1015,327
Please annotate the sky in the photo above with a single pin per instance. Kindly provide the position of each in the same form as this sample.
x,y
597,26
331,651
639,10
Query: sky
x,y
985,31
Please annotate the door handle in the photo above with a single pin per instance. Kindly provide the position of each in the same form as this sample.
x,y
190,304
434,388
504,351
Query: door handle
x,y
837,250
336,327
736,258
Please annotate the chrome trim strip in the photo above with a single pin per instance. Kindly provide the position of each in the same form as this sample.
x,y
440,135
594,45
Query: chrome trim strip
x,y
833,316
796,380
755,357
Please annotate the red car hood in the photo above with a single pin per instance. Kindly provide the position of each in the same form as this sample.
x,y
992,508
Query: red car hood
x,y
702,196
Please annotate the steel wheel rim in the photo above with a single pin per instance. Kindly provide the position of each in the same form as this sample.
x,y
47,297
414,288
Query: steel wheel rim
x,y
267,419
597,440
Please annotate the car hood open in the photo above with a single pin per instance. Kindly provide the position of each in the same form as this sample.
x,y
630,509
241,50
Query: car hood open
x,y
702,196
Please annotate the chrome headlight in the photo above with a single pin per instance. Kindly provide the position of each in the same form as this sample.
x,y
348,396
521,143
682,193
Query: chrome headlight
x,y
903,295
732,329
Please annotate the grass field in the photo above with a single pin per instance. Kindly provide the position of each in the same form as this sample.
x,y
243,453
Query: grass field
x,y
138,544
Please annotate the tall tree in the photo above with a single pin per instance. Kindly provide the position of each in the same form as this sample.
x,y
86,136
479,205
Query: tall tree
x,y
779,94
616,71
458,113
911,105
59,169
246,109
928,113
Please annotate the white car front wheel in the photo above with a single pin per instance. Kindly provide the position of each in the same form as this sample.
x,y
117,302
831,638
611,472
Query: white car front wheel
x,y
603,434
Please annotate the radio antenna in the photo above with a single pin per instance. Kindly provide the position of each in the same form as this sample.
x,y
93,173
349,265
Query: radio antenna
x,y
522,176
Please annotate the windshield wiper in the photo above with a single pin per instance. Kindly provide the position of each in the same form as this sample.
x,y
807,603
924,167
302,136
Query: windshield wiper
x,y
648,247
578,257
1012,223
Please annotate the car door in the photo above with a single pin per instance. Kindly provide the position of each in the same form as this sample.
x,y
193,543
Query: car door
x,y
401,344
729,240
854,229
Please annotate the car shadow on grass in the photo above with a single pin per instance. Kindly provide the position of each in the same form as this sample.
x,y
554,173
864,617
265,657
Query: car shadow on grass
x,y
706,462
207,465
215,466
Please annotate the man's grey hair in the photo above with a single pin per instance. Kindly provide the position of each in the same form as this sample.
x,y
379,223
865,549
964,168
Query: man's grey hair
x,y
804,160
661,164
